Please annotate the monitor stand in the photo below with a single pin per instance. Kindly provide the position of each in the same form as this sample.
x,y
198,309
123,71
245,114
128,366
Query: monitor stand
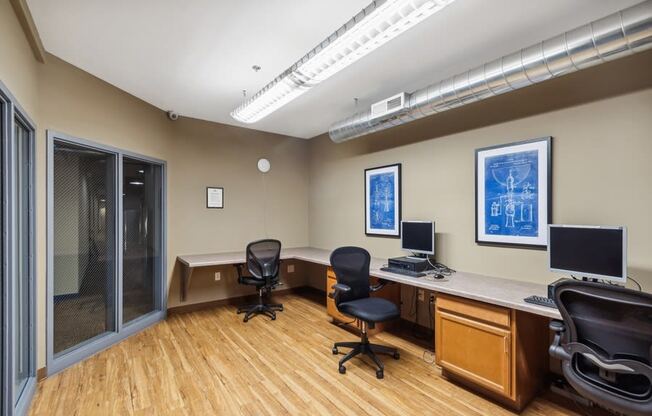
x,y
418,256
604,282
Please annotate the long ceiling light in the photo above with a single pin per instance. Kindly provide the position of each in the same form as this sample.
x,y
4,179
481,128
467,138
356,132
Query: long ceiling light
x,y
375,25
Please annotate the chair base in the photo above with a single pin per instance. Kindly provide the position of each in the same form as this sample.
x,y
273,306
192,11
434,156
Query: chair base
x,y
368,349
260,308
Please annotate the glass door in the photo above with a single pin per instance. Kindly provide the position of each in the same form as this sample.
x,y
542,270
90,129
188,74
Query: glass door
x,y
21,284
84,246
3,271
142,202
106,248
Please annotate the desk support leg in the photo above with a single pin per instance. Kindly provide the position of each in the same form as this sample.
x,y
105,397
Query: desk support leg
x,y
186,274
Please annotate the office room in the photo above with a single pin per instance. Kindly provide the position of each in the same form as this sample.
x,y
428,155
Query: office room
x,y
270,207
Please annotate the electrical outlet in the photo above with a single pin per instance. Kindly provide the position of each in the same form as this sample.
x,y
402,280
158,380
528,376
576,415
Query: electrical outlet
x,y
432,298
218,276
290,268
421,295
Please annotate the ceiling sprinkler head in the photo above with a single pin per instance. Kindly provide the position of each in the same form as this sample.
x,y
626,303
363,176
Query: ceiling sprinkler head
x,y
256,68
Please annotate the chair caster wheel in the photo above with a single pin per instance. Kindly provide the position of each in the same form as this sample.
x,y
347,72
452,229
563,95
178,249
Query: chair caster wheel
x,y
273,318
245,320
380,374
396,355
342,369
335,351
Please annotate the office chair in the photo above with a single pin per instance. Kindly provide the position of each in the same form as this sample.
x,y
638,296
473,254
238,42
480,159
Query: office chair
x,y
263,263
351,295
605,344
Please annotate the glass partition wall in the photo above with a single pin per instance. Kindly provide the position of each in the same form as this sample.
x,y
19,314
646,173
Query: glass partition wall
x,y
141,224
106,250
22,284
18,310
84,245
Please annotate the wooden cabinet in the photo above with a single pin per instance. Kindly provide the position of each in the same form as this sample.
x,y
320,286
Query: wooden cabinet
x,y
475,350
391,292
330,302
500,351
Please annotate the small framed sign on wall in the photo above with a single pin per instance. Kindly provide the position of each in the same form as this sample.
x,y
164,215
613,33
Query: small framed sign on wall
x,y
214,197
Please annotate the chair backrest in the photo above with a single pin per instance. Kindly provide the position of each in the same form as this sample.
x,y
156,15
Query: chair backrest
x,y
616,323
351,267
264,258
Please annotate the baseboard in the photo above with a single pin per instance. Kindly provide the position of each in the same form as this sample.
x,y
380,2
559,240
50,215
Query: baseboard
x,y
241,299
41,373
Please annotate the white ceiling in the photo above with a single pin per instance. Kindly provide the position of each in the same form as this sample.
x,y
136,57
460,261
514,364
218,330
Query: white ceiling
x,y
195,57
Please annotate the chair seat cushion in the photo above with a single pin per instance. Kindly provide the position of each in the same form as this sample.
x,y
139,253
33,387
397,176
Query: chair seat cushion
x,y
370,309
246,280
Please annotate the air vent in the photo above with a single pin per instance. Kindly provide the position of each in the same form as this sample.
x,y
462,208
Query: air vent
x,y
619,34
389,105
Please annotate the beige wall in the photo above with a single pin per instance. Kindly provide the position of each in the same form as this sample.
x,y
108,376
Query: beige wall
x,y
272,205
602,169
18,68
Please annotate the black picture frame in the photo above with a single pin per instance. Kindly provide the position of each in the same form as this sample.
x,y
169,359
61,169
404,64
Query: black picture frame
x,y
398,201
547,140
208,189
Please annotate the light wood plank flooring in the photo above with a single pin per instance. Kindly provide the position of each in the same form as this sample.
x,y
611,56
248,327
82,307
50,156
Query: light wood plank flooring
x,y
211,363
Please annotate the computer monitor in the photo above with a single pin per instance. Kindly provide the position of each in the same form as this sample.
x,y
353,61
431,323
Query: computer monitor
x,y
418,237
589,251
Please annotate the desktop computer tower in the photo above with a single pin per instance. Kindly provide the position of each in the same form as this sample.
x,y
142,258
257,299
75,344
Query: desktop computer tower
x,y
409,263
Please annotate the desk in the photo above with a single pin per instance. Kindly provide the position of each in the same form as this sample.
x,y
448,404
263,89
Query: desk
x,y
493,290
486,336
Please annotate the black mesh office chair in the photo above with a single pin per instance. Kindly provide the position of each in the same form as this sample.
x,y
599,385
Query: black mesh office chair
x,y
351,295
263,263
605,344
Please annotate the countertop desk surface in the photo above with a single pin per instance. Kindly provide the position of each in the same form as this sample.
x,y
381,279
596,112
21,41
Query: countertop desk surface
x,y
494,290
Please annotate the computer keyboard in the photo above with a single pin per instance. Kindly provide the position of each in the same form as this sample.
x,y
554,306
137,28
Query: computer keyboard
x,y
402,271
541,300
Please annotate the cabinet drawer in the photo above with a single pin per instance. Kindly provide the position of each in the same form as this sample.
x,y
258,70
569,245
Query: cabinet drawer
x,y
476,310
330,273
476,351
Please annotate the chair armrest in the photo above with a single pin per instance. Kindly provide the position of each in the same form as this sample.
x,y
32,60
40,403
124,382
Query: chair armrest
x,y
381,284
239,268
557,326
338,287
618,365
556,350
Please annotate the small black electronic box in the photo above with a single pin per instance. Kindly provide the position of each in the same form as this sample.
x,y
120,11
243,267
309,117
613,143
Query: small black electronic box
x,y
409,263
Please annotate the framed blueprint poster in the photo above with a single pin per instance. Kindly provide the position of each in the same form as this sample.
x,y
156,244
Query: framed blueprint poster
x,y
513,202
382,187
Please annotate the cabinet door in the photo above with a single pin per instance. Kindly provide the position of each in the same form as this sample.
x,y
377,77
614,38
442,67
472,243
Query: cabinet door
x,y
474,350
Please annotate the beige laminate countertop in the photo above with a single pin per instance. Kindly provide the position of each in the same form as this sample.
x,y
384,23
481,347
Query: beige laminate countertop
x,y
494,290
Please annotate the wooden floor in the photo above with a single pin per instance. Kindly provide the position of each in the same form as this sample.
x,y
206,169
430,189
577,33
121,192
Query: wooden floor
x,y
211,363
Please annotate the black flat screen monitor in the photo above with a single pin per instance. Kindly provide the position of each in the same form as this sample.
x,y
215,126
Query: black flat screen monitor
x,y
589,251
418,237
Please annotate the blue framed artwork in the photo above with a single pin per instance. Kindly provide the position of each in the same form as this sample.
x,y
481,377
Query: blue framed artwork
x,y
383,201
513,201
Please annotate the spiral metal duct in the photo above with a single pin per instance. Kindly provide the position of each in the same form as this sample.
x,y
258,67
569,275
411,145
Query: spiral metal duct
x,y
620,34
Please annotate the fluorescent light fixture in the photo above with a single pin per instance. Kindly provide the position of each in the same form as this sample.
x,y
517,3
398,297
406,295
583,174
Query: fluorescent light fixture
x,y
374,26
